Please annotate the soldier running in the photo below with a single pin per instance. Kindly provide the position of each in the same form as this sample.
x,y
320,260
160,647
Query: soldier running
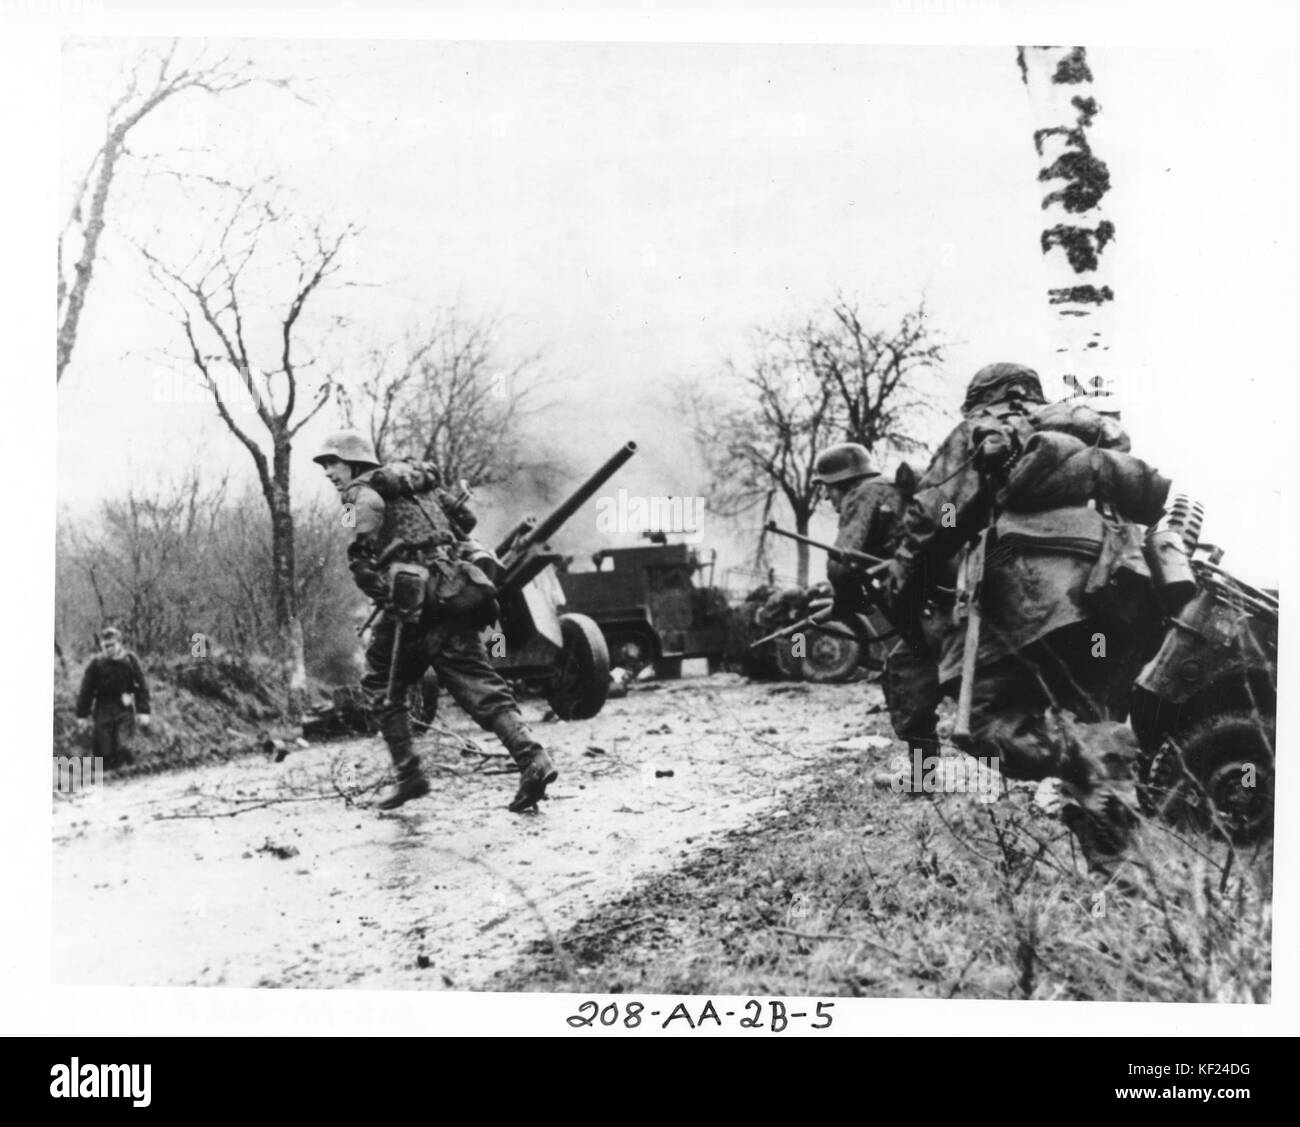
x,y
413,528
1064,598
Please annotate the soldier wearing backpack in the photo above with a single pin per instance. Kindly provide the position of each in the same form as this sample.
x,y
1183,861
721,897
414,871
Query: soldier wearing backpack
x,y
404,521
1062,607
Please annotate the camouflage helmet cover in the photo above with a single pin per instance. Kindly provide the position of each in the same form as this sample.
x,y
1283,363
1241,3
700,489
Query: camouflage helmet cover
x,y
841,463
347,446
995,382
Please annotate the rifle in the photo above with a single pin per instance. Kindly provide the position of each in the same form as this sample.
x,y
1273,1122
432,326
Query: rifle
x,y
814,621
868,566
970,590
849,557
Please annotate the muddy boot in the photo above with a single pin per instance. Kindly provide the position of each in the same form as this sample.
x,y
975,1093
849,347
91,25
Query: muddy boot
x,y
537,771
411,780
1100,799
1103,825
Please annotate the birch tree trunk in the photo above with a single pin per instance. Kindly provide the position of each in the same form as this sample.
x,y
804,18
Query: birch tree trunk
x,y
1075,234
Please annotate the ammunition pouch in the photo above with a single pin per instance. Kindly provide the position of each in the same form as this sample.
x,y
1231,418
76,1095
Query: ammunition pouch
x,y
459,594
408,585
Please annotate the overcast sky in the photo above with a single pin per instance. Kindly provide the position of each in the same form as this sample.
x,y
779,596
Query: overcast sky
x,y
634,211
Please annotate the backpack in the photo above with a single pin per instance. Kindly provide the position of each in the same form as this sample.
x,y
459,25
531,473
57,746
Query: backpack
x,y
416,511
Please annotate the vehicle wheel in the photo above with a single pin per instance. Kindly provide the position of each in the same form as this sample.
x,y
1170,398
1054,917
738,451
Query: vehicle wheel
x,y
668,668
580,683
788,665
1227,783
829,658
716,663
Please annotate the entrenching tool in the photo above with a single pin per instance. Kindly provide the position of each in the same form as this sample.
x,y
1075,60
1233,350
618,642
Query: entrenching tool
x,y
407,585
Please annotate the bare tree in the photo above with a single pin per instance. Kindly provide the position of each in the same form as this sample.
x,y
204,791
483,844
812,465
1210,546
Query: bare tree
x,y
217,297
872,373
764,449
155,77
446,394
829,379
183,557
1075,231
137,567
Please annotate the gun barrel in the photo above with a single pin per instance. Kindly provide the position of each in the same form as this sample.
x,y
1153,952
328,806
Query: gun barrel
x,y
580,496
829,549
811,622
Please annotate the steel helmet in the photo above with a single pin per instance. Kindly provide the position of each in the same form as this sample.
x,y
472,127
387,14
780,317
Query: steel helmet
x,y
996,382
348,446
844,462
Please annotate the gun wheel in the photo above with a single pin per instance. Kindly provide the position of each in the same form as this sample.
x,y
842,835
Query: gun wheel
x,y
787,663
1216,778
829,658
580,683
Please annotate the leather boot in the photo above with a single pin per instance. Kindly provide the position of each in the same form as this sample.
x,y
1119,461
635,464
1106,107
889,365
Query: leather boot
x,y
1098,788
537,771
411,780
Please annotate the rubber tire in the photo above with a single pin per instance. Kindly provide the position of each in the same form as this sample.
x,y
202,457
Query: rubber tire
x,y
788,667
1217,744
1211,746
668,668
586,658
837,658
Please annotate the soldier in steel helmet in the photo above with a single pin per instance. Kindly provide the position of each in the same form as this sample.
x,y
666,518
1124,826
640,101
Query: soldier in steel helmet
x,y
1044,692
455,651
870,510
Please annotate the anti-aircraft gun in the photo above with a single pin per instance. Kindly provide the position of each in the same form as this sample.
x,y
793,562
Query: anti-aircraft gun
x,y
562,655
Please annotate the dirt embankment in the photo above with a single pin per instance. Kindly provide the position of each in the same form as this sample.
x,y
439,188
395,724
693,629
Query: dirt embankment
x,y
204,710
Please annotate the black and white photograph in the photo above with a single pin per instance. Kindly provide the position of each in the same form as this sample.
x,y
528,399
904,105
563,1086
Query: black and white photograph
x,y
796,519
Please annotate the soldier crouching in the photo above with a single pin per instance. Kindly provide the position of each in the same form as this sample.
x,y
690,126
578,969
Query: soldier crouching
x,y
400,516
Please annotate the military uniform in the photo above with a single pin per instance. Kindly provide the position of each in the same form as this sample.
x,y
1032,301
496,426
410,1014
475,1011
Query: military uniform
x,y
871,512
1063,602
404,504
113,690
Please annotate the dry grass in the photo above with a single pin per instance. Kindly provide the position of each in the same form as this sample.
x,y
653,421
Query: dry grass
x,y
858,891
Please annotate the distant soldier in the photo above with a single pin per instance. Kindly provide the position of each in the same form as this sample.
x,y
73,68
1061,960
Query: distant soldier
x,y
870,512
114,692
1063,610
413,524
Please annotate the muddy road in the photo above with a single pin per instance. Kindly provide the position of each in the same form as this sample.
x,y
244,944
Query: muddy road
x,y
253,873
